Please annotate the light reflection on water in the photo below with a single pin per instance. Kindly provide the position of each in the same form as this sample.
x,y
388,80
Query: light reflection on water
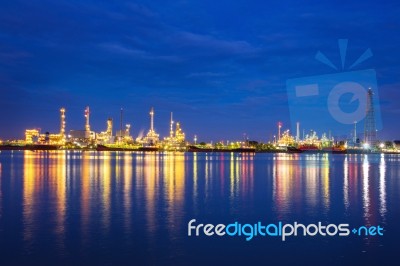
x,y
301,184
75,203
44,179
365,191
382,188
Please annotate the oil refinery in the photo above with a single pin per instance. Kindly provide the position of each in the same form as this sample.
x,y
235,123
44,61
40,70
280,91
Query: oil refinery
x,y
122,140
106,140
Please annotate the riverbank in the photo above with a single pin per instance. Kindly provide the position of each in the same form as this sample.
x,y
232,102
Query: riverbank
x,y
44,147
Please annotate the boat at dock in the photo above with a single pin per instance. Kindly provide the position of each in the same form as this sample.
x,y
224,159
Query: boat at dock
x,y
194,148
309,148
291,149
116,148
149,148
244,149
126,148
334,150
29,147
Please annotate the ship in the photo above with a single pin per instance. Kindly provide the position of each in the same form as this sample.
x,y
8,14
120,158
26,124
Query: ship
x,y
244,149
149,148
29,147
335,150
100,147
309,148
291,149
194,148
126,148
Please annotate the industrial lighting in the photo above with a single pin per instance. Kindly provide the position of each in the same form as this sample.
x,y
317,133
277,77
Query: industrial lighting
x,y
366,146
382,145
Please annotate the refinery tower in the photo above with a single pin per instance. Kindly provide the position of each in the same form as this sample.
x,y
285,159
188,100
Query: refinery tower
x,y
369,124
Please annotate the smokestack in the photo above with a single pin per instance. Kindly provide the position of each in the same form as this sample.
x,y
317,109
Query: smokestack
x,y
62,122
279,130
171,131
297,131
87,114
152,119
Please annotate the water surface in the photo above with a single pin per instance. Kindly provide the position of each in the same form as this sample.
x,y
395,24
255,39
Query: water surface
x,y
129,208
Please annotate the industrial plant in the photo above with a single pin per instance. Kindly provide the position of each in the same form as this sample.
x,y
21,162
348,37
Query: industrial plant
x,y
122,140
105,140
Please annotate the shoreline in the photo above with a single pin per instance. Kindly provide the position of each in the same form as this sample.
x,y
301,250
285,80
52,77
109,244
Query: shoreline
x,y
154,150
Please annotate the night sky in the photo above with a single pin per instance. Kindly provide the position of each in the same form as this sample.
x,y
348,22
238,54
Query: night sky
x,y
220,66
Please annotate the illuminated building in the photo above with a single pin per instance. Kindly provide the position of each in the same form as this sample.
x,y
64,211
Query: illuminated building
x,y
312,142
106,137
53,139
176,140
109,126
152,138
83,136
286,139
56,138
326,142
311,138
179,135
77,134
125,135
32,136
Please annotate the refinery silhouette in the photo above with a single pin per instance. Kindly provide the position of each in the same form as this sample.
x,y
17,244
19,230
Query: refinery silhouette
x,y
122,140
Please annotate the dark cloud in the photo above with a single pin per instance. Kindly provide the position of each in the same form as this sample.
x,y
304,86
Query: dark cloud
x,y
221,66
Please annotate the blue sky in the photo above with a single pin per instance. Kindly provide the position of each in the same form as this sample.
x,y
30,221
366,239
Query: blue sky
x,y
220,66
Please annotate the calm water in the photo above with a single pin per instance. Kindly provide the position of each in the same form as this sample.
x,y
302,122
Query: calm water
x,y
133,208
